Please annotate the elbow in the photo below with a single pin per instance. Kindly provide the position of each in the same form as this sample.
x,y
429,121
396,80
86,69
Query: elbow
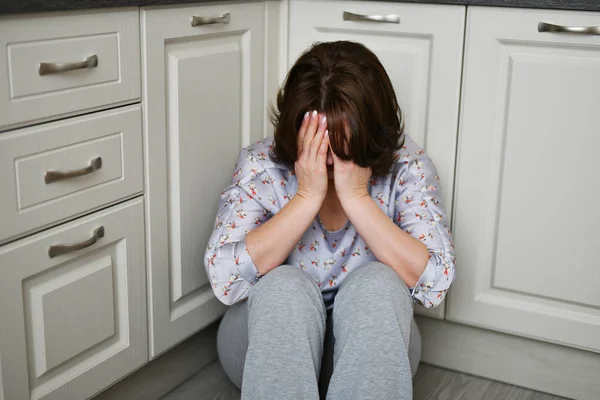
x,y
432,300
225,299
227,294
433,285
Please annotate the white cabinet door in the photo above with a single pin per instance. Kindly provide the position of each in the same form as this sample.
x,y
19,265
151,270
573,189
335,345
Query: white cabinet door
x,y
203,93
422,55
526,219
73,323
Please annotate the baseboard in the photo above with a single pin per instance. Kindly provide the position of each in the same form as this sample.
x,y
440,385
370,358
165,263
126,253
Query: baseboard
x,y
541,366
169,370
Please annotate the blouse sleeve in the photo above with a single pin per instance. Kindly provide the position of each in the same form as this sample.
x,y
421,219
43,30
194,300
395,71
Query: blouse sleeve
x,y
245,204
419,212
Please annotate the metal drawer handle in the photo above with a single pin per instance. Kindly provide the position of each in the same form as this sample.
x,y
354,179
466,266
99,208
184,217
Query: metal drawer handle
x,y
59,249
392,18
223,19
56,68
584,30
54,176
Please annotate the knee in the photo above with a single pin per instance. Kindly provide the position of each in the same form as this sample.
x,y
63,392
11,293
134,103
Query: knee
x,y
375,284
285,281
288,287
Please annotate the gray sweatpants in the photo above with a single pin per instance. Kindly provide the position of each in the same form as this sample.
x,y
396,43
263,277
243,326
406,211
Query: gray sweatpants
x,y
283,344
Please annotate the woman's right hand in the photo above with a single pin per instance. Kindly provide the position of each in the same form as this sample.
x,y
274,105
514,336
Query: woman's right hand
x,y
311,165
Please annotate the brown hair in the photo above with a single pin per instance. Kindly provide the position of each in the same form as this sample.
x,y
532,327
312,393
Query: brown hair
x,y
345,81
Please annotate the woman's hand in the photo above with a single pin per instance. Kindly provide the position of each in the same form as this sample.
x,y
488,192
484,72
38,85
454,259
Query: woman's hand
x,y
351,181
311,165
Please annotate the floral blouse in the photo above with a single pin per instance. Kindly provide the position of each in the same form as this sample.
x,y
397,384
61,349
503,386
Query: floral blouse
x,y
409,195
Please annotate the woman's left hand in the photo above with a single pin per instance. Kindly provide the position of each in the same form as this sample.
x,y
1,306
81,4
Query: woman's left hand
x,y
351,180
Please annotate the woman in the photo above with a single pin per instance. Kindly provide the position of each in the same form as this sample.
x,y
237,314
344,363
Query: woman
x,y
331,230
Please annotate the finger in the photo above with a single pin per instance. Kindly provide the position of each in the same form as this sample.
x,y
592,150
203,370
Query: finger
x,y
322,154
302,130
317,139
310,131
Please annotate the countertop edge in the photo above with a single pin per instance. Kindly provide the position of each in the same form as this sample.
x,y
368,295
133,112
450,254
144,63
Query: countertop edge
x,y
15,7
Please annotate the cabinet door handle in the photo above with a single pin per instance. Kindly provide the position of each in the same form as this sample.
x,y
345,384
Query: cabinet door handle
x,y
223,19
58,249
391,18
584,30
56,68
54,176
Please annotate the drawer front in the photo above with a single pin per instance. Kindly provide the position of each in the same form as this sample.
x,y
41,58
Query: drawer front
x,y
58,170
73,323
57,65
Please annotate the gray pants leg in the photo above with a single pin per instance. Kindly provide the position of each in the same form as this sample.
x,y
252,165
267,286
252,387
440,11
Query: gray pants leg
x,y
232,339
286,329
372,317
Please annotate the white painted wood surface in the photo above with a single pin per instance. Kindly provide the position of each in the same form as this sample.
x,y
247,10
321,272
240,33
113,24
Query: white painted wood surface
x,y
527,173
276,49
28,203
203,96
422,56
533,364
75,323
27,40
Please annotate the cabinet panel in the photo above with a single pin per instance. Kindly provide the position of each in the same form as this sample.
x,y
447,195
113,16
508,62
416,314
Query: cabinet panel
x,y
211,66
102,52
527,166
422,55
204,101
59,311
74,323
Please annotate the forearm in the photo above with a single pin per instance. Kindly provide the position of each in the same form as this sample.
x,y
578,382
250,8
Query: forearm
x,y
270,244
390,244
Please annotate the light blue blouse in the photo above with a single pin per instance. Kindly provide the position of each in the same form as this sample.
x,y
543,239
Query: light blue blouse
x,y
410,195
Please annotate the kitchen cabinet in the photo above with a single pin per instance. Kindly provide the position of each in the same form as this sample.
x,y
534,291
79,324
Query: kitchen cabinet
x,y
52,172
73,306
523,146
525,230
421,50
55,65
203,74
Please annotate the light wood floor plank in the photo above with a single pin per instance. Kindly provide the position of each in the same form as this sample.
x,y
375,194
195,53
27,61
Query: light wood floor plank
x,y
430,383
210,383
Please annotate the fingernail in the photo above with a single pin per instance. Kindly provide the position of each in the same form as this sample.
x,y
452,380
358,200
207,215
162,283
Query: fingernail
x,y
327,133
306,115
323,120
314,114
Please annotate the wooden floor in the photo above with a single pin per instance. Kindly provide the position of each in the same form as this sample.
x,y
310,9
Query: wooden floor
x,y
430,383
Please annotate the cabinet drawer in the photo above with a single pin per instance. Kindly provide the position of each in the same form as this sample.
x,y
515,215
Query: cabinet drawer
x,y
57,170
55,65
73,323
